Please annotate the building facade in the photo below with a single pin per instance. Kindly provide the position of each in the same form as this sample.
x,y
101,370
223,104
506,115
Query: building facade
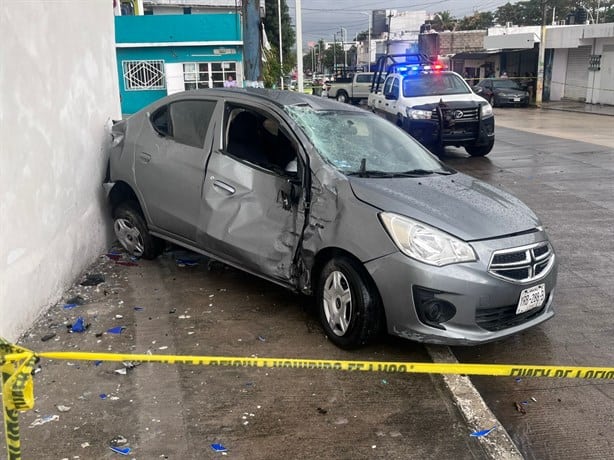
x,y
163,54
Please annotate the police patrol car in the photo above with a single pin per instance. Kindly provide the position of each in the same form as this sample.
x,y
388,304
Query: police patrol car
x,y
436,106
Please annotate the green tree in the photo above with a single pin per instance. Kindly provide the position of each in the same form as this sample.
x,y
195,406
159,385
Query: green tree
x,y
288,38
443,20
508,13
477,21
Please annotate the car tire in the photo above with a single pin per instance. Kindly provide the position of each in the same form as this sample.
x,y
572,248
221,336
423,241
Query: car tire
x,y
342,96
132,233
349,305
479,150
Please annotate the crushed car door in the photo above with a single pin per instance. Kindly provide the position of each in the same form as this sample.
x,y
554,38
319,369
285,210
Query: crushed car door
x,y
170,165
252,207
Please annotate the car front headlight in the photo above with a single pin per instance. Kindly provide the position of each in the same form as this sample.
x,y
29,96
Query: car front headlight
x,y
425,243
416,114
486,110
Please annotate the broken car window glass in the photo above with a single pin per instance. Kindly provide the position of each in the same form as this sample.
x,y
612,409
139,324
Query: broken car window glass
x,y
344,139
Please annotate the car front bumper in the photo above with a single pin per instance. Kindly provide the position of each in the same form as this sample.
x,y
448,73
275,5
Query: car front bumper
x,y
511,100
470,132
485,304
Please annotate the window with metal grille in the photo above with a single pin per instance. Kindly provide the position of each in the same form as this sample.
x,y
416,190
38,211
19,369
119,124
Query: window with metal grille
x,y
143,75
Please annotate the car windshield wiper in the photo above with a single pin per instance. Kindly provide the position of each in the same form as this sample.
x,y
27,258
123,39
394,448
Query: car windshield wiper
x,y
420,172
390,174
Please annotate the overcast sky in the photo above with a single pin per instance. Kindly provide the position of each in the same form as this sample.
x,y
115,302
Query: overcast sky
x,y
322,18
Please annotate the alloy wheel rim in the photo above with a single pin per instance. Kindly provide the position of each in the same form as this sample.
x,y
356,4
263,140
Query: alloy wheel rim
x,y
337,298
129,237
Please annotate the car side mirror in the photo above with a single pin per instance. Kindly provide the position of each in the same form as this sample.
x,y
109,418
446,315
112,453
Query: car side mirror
x,y
477,89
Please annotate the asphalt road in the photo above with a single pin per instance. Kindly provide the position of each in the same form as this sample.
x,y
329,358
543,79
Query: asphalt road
x,y
562,165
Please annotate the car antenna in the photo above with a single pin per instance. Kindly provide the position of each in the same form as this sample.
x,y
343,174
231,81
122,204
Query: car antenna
x,y
363,167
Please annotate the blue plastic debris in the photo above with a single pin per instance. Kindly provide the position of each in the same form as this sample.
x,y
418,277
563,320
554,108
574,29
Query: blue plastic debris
x,y
97,363
103,396
121,450
138,309
116,330
518,379
79,325
479,434
218,448
70,306
187,262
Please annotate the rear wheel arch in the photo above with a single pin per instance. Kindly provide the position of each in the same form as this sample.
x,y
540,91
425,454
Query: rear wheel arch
x,y
123,193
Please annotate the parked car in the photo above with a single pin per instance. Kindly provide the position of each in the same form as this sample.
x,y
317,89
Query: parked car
x,y
502,91
353,89
327,199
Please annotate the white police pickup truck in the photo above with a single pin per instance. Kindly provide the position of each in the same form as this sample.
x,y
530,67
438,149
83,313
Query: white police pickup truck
x,y
436,107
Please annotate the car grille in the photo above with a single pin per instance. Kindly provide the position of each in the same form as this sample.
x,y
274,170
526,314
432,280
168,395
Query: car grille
x,y
455,114
499,318
523,264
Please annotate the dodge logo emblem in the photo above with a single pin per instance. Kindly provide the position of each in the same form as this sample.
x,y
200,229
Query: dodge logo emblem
x,y
458,114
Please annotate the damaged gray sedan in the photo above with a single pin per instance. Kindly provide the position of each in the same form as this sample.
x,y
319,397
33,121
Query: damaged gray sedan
x,y
327,199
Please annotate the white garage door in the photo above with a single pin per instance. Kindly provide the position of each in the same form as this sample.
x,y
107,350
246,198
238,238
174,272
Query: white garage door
x,y
576,80
606,95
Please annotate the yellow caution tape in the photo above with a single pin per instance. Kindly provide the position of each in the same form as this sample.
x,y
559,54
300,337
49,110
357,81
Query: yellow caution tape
x,y
513,370
17,364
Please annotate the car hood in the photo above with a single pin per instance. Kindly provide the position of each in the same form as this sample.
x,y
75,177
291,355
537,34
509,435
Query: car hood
x,y
515,92
464,100
457,204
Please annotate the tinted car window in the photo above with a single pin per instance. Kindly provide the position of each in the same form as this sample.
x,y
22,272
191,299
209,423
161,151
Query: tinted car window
x,y
363,78
434,84
388,85
190,120
161,121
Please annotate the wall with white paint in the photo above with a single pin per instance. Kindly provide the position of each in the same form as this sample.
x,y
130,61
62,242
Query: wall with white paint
x,y
58,87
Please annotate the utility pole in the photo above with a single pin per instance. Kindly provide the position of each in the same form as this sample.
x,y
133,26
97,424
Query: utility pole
x,y
388,38
540,59
251,43
344,38
335,53
299,45
281,53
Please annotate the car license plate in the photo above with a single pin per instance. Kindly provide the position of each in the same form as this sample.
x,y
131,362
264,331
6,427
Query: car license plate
x,y
530,298
516,99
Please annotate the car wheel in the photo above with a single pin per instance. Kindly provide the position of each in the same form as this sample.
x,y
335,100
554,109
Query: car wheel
x,y
132,233
342,96
479,151
349,305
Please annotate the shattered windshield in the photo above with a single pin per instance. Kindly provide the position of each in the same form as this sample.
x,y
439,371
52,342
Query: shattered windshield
x,y
364,144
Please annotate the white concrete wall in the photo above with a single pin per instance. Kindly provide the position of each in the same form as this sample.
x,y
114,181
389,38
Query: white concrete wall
x,y
559,71
58,86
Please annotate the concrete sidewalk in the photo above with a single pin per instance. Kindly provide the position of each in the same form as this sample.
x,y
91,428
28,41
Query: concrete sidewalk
x,y
581,107
179,411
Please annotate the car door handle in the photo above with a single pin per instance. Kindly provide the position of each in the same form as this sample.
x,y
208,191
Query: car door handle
x,y
145,157
224,186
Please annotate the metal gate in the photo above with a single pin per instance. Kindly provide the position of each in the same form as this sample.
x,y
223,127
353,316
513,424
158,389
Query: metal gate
x,y
576,79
